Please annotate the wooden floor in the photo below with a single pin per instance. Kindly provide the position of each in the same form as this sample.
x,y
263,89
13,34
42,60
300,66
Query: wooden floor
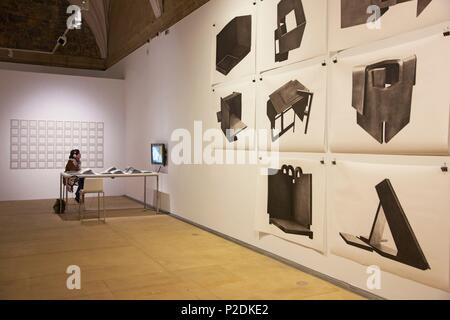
x,y
150,257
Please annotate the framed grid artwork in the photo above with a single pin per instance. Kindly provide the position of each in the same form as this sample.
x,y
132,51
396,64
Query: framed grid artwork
x,y
46,144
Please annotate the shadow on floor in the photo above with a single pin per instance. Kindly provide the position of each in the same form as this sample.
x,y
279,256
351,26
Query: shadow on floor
x,y
116,207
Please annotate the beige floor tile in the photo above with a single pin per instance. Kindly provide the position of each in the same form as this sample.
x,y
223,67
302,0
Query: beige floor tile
x,y
209,276
119,271
137,257
48,287
45,264
157,280
27,248
185,261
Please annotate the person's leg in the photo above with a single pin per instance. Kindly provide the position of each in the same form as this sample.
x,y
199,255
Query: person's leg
x,y
80,187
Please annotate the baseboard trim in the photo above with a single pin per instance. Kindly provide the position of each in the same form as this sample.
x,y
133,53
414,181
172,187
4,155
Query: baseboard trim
x,y
334,281
151,207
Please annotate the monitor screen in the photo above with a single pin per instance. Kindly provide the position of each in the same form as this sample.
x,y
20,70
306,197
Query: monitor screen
x,y
158,154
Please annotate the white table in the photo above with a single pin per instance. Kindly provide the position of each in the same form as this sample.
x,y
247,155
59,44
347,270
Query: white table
x,y
66,175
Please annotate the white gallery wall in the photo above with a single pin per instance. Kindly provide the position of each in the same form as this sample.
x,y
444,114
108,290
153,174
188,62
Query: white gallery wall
x,y
169,85
41,96
172,83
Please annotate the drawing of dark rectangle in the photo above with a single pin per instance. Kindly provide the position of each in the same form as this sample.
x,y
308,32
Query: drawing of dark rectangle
x,y
289,201
289,39
233,43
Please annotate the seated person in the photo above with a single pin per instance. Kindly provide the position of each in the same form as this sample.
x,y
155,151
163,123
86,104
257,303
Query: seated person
x,y
74,165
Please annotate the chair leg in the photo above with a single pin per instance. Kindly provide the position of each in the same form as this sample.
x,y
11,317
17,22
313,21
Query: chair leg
x,y
80,214
83,204
79,210
98,206
104,208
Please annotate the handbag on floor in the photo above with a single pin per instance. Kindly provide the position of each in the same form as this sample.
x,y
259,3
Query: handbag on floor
x,y
59,206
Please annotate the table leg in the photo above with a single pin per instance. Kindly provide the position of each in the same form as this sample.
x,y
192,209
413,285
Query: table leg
x,y
145,193
60,193
104,209
157,194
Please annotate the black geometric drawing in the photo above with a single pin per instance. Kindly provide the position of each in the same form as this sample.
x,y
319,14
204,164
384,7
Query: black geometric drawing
x,y
233,43
293,95
354,12
291,40
230,116
408,250
382,95
289,202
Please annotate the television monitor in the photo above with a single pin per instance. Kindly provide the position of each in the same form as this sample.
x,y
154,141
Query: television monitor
x,y
159,155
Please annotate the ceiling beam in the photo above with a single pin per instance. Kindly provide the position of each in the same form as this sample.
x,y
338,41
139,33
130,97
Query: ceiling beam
x,y
55,60
124,39
119,28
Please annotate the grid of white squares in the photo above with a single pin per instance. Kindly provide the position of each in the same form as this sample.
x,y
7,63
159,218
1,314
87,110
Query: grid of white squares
x,y
46,144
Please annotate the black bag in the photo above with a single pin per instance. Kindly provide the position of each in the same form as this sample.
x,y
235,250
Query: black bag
x,y
57,206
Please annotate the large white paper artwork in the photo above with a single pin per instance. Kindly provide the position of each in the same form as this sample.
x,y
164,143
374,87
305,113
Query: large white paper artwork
x,y
291,107
393,100
394,217
234,42
348,19
46,144
291,202
290,31
233,113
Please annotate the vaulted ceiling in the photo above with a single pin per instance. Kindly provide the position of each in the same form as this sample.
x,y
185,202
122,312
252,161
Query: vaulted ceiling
x,y
111,29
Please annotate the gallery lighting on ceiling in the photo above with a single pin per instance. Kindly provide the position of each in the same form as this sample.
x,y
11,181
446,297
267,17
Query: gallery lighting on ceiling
x,y
84,5
158,7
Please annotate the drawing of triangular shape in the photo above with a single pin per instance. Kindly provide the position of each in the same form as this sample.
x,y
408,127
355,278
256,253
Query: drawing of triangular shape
x,y
422,5
390,214
355,12
381,236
